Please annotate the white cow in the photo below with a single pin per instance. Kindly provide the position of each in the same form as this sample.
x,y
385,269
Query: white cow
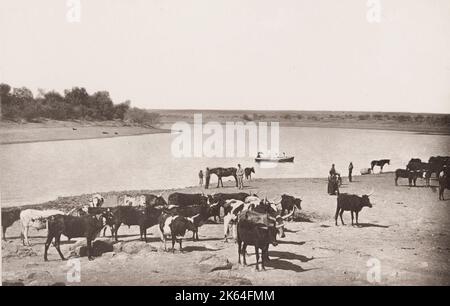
x,y
231,216
35,218
127,200
97,200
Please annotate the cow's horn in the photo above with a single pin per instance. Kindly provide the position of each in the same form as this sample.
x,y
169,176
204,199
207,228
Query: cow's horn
x,y
370,193
272,218
195,216
288,215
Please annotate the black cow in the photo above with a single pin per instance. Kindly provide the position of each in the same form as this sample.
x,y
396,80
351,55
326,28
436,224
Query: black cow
x,y
289,203
248,172
85,226
197,214
176,227
409,174
352,203
154,200
144,217
9,216
187,199
268,208
258,230
379,163
220,198
444,182
437,164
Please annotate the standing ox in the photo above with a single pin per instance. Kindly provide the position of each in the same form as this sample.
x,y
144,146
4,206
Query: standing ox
x,y
409,174
176,227
197,214
85,226
352,203
9,216
220,199
289,203
144,217
223,172
259,230
36,219
379,163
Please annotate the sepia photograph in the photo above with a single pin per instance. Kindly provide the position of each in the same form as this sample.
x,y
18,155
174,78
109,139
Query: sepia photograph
x,y
235,144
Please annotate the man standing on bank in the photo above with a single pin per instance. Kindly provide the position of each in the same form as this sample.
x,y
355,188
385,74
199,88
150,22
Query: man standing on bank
x,y
350,169
200,177
240,177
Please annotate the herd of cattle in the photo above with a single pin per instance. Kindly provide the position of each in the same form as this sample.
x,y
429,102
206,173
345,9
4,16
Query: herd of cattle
x,y
254,220
437,165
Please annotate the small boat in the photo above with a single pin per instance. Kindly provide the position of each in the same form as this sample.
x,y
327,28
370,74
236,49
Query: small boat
x,y
274,159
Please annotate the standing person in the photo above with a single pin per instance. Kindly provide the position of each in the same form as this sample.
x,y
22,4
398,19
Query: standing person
x,y
200,177
240,177
207,176
332,170
350,170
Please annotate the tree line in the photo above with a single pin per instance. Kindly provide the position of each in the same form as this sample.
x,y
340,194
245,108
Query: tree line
x,y
73,104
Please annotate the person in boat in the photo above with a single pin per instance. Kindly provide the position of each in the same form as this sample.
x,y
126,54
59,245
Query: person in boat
x,y
259,155
240,176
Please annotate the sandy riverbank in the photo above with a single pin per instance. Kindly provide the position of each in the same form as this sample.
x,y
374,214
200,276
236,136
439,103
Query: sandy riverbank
x,y
11,133
408,231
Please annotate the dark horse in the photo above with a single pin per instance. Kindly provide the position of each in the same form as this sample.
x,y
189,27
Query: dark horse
x,y
248,172
379,163
223,172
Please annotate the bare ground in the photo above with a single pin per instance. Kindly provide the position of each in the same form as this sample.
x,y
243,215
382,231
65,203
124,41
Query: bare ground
x,y
407,232
52,130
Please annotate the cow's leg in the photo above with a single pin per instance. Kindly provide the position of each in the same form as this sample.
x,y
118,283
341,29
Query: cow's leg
x,y
104,231
174,238
352,216
89,248
181,247
145,235
116,229
57,243
340,214
4,233
25,234
239,250
163,239
264,256
226,224
336,216
236,179
396,179
47,244
244,252
257,257
357,223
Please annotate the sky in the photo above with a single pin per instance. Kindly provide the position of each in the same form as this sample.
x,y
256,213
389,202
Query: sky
x,y
235,54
